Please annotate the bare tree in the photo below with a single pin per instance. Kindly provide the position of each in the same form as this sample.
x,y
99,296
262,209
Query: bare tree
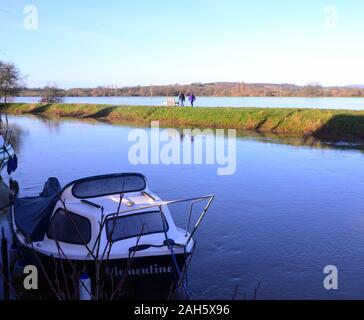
x,y
11,81
52,94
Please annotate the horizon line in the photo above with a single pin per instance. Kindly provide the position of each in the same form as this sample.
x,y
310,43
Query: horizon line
x,y
111,86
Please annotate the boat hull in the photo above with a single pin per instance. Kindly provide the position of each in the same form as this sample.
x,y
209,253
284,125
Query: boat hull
x,y
150,277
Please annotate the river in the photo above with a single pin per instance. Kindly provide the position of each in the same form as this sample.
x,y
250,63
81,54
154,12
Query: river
x,y
286,213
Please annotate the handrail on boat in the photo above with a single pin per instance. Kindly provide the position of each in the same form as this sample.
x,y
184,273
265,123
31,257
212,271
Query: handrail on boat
x,y
210,198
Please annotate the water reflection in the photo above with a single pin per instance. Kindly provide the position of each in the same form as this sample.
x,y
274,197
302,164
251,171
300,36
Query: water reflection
x,y
4,196
54,125
16,136
51,123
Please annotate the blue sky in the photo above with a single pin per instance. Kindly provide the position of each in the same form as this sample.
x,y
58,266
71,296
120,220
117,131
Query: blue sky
x,y
142,42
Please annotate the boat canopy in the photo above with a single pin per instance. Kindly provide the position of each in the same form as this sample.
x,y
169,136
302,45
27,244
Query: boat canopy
x,y
32,215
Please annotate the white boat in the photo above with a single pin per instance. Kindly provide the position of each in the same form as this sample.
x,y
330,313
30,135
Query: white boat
x,y
111,221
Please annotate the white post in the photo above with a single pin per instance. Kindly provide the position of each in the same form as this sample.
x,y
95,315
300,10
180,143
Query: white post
x,y
85,287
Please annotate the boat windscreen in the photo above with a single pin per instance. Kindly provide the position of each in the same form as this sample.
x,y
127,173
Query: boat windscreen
x,y
135,225
108,185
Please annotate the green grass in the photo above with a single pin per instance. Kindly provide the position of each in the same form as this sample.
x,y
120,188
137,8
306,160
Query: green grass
x,y
325,124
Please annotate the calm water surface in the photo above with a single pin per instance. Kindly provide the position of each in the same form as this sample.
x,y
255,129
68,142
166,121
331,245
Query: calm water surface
x,y
259,102
285,214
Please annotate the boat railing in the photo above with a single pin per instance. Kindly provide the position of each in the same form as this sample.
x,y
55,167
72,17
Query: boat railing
x,y
160,204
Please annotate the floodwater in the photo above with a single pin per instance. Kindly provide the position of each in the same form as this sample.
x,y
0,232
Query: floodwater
x,y
286,213
258,102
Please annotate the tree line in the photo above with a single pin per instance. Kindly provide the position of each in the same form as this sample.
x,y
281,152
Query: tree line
x,y
217,89
12,83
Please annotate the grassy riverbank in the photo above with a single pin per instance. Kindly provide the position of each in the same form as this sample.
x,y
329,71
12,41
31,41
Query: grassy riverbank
x,y
324,124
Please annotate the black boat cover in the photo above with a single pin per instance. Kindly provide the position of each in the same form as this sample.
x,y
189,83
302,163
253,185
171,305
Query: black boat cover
x,y
32,215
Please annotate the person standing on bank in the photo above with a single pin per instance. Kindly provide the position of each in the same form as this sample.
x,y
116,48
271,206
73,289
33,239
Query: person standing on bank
x,y
192,99
181,99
